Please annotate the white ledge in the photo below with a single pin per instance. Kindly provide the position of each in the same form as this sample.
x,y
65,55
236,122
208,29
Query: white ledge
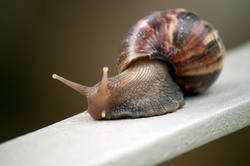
x,y
80,140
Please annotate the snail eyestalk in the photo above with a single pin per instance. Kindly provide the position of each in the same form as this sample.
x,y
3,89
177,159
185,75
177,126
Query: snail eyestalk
x,y
78,87
103,87
97,96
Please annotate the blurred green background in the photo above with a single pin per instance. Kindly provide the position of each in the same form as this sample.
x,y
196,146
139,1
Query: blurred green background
x,y
76,39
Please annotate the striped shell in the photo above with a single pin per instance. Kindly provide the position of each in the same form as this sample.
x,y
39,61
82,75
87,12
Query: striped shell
x,y
187,43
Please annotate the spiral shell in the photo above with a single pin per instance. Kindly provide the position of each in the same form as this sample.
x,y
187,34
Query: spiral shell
x,y
189,45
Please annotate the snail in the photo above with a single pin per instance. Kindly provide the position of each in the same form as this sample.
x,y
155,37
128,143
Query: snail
x,y
163,56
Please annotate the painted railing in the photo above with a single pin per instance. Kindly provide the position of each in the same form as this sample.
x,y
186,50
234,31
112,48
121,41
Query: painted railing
x,y
80,140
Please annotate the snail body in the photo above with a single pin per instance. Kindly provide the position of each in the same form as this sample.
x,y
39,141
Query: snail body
x,y
165,54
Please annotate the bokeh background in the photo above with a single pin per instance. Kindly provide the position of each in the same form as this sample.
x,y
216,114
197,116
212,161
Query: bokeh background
x,y
76,39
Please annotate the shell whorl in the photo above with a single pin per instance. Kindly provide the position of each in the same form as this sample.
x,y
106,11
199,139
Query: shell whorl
x,y
187,43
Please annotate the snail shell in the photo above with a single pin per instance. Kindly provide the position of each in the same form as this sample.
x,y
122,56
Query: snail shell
x,y
188,44
164,52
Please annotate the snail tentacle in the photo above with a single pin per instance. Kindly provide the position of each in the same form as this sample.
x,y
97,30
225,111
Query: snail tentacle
x,y
78,87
